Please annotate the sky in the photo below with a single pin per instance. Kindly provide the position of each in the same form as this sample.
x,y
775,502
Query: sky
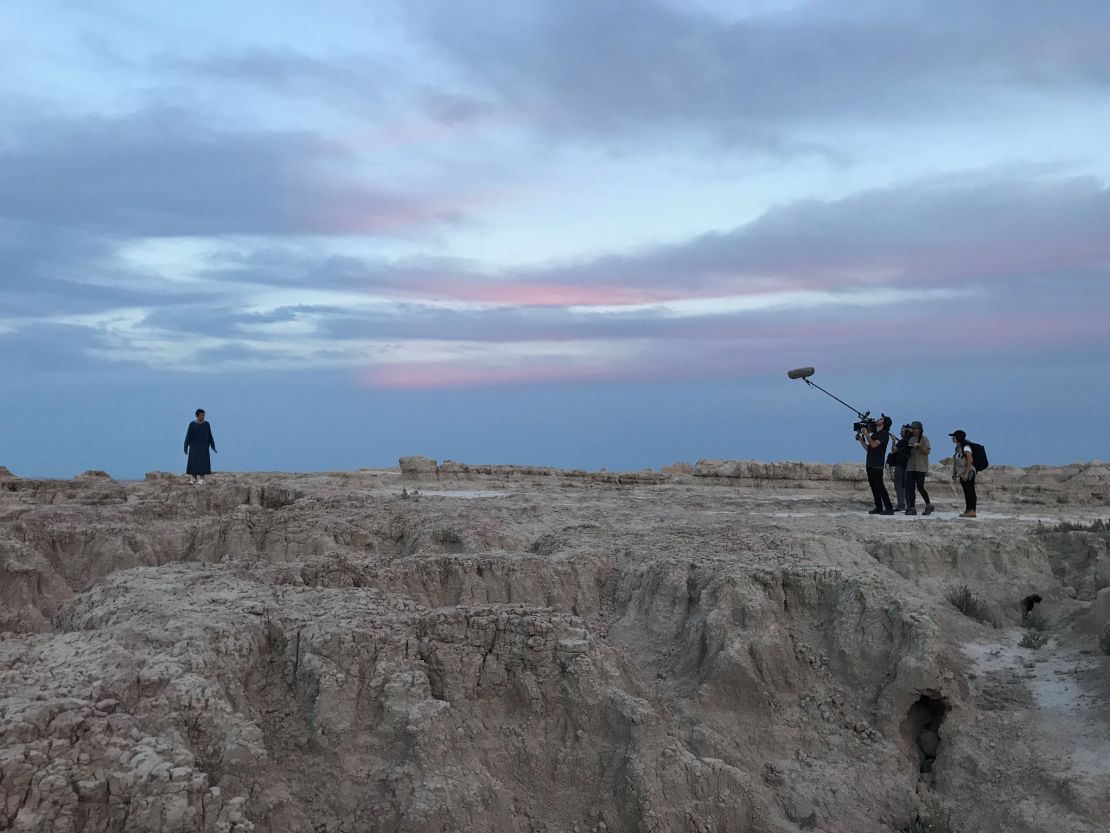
x,y
580,234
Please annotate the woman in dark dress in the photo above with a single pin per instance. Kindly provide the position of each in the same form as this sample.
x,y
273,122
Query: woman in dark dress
x,y
198,439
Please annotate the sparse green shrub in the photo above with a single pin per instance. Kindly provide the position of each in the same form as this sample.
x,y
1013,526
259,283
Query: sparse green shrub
x,y
1097,525
1035,620
1104,640
969,603
1036,630
1034,640
932,819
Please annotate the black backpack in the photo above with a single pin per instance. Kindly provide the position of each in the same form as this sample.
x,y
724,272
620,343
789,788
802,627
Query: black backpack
x,y
899,456
979,457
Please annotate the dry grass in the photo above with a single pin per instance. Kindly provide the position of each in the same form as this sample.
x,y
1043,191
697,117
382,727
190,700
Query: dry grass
x,y
1098,525
933,819
969,604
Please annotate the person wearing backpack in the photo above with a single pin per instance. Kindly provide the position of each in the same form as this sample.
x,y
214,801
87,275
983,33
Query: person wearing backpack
x,y
963,469
917,468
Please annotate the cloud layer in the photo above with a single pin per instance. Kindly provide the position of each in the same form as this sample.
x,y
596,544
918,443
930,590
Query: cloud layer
x,y
970,263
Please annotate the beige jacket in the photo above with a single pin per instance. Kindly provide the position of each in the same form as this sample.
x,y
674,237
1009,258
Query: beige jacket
x,y
960,466
919,457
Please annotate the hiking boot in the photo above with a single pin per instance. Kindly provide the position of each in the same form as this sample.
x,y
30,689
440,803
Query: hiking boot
x,y
899,508
200,481
968,514
887,512
928,509
911,511
875,511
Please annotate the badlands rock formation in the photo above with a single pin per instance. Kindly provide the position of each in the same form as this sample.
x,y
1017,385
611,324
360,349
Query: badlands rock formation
x,y
733,646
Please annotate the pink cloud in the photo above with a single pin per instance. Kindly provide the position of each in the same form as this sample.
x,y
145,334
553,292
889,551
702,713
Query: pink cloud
x,y
936,264
438,375
744,350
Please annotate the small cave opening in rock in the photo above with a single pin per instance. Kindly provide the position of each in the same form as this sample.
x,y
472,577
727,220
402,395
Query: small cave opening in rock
x,y
922,729
1028,603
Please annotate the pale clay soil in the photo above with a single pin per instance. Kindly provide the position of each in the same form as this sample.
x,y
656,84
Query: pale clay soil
x,y
734,646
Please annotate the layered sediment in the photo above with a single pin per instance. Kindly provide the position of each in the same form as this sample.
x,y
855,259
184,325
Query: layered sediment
x,y
720,647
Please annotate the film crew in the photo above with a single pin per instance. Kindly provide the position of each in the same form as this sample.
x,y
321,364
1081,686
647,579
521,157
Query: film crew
x,y
897,460
917,469
874,435
963,469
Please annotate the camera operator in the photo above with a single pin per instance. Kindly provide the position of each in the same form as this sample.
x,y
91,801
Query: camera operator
x,y
898,460
875,443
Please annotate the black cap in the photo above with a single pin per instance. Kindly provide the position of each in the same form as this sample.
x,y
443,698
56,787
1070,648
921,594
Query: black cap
x,y
959,432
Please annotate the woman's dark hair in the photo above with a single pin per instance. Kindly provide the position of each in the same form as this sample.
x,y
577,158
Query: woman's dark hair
x,y
199,412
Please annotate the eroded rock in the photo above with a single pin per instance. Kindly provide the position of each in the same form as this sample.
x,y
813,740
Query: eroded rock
x,y
617,652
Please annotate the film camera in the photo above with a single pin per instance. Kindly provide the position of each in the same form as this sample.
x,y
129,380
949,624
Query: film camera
x,y
866,422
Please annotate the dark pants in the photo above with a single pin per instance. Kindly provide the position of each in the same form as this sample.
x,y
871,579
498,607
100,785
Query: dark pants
x,y
969,493
900,487
915,482
878,489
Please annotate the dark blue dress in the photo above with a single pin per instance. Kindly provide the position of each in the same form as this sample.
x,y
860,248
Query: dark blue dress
x,y
198,439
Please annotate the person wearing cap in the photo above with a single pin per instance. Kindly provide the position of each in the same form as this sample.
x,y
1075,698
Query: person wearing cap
x,y
963,469
875,445
917,468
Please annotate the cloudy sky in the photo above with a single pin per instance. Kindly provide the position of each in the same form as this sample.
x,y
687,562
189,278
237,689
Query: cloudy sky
x,y
570,233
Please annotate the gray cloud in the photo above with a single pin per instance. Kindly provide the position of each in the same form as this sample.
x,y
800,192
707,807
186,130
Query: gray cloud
x,y
286,70
50,271
161,173
957,228
214,318
614,69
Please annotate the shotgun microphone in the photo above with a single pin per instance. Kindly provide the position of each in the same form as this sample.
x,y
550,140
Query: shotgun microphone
x,y
804,373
